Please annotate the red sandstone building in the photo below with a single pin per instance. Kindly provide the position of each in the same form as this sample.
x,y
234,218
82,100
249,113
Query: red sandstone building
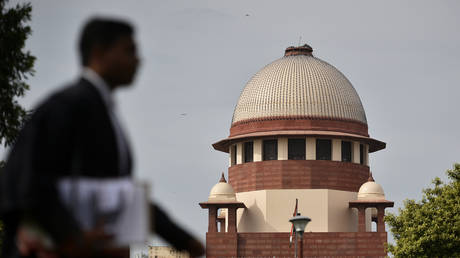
x,y
299,131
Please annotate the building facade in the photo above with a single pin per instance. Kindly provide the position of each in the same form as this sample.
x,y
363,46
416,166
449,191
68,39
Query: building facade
x,y
166,252
299,131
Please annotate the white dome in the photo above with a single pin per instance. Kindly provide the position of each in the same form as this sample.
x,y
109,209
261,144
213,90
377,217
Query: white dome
x,y
371,190
222,192
299,86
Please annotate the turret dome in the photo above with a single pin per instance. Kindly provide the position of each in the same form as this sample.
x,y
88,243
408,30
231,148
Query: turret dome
x,y
222,192
371,190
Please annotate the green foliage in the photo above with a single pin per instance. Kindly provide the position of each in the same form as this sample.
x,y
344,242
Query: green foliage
x,y
15,65
431,227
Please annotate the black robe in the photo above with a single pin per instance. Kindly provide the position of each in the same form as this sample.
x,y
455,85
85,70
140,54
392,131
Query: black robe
x,y
70,133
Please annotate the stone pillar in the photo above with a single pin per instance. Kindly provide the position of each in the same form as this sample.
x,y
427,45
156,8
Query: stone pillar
x,y
239,153
380,221
231,220
212,220
310,148
282,148
231,157
257,150
361,219
336,150
355,152
366,154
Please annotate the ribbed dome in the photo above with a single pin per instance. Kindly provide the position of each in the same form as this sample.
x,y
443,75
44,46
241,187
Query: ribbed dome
x,y
299,85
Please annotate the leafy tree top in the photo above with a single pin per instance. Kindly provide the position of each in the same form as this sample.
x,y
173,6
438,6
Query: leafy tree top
x,y
430,227
16,65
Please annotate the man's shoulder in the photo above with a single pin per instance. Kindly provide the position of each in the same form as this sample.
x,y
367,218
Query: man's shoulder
x,y
78,91
79,96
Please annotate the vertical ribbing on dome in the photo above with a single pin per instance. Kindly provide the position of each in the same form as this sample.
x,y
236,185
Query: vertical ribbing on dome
x,y
299,86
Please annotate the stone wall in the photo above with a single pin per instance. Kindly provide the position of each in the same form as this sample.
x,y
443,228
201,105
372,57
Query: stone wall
x,y
317,244
297,174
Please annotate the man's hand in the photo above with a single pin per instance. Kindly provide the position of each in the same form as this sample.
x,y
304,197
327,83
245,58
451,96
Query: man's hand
x,y
93,243
30,244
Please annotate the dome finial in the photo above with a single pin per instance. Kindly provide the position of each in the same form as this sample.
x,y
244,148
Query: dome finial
x,y
371,178
222,178
305,50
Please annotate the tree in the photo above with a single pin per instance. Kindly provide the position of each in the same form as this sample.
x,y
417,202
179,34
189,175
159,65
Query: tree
x,y
430,227
15,66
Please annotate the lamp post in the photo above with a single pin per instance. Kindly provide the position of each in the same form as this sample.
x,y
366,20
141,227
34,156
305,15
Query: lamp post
x,y
299,222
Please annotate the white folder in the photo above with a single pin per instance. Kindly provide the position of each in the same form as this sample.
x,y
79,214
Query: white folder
x,y
119,205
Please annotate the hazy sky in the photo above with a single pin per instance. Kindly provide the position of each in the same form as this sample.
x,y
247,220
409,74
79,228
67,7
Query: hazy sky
x,y
402,57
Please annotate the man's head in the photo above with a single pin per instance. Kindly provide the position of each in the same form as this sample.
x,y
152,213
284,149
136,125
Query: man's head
x,y
107,46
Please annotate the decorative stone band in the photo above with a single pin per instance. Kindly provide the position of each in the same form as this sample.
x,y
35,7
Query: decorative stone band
x,y
297,174
299,123
223,145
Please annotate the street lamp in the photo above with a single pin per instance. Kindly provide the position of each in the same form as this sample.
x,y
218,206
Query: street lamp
x,y
299,222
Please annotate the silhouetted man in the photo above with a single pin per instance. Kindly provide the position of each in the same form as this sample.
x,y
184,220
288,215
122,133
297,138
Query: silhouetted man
x,y
75,132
